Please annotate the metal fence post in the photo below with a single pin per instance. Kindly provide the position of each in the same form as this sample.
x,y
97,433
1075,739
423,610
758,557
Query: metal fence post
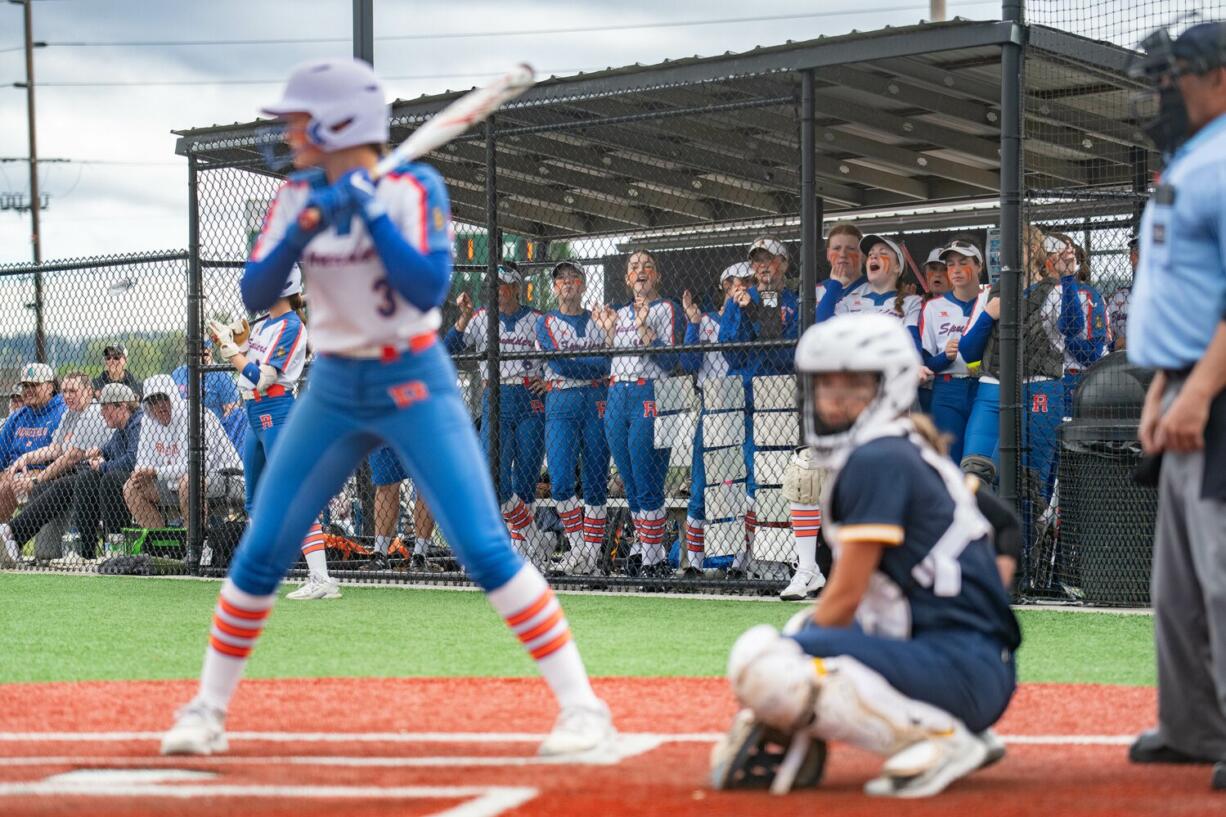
x,y
810,204
1010,258
493,259
195,427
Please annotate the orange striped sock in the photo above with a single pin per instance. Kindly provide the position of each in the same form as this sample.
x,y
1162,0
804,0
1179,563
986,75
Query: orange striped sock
x,y
806,523
315,551
533,613
238,621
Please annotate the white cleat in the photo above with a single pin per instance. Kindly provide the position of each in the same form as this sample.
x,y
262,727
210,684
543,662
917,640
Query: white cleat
x,y
199,730
994,745
580,729
929,766
316,587
804,585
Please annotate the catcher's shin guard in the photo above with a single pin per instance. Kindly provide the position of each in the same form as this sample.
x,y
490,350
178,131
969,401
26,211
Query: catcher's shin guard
x,y
754,756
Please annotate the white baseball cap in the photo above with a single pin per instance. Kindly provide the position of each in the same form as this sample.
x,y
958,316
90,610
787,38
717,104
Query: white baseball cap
x,y
772,245
117,393
740,269
963,248
869,240
935,257
37,373
509,275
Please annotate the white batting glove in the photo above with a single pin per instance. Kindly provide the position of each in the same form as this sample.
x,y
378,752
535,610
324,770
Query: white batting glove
x,y
223,336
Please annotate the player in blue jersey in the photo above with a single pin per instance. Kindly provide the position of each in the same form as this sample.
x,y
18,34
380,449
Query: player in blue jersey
x,y
521,419
574,418
943,320
378,266
703,327
269,357
764,310
913,635
652,322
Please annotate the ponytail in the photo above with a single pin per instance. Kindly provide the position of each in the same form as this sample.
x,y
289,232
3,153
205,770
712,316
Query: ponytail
x,y
927,430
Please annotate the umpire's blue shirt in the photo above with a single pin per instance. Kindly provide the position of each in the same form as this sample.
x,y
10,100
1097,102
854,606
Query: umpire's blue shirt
x,y
1180,293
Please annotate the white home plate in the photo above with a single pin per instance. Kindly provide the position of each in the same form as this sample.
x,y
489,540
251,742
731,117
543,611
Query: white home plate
x,y
111,777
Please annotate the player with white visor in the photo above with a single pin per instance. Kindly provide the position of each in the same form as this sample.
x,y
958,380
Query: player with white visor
x,y
908,652
377,262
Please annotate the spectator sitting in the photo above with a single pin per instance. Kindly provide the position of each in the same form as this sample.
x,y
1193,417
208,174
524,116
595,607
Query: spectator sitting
x,y
160,477
80,434
219,395
29,429
96,489
115,359
15,401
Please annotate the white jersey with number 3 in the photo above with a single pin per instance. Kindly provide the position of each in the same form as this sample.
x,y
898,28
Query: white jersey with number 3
x,y
353,305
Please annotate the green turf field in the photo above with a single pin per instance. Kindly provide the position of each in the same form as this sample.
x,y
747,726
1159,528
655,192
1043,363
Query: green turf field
x,y
67,628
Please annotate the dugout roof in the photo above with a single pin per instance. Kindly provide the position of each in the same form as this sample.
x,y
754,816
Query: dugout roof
x,y
904,117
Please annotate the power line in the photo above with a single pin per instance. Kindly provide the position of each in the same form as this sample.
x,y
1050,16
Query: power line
x,y
25,159
280,81
459,35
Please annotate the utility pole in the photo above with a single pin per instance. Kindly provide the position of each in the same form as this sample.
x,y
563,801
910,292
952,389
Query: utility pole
x,y
936,11
40,340
364,30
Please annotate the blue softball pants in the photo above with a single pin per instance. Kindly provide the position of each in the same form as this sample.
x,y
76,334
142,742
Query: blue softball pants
x,y
630,417
574,428
952,398
385,468
265,418
983,426
1044,406
967,674
1070,381
697,509
411,404
521,440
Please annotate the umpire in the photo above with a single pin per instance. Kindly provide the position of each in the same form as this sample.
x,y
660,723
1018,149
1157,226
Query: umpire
x,y
1178,327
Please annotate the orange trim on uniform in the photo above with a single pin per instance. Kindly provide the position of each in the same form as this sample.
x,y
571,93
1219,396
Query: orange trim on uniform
x,y
552,647
542,628
882,534
237,632
228,649
275,390
239,612
532,609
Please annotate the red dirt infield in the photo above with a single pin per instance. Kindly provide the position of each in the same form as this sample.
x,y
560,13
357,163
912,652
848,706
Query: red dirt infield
x,y
464,747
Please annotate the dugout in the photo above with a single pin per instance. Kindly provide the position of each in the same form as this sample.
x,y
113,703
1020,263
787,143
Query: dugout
x,y
913,129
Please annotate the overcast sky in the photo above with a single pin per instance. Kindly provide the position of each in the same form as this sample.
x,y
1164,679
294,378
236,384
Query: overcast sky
x,y
124,190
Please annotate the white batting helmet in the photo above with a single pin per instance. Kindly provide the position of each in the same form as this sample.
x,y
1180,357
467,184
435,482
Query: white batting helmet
x,y
293,285
344,99
857,343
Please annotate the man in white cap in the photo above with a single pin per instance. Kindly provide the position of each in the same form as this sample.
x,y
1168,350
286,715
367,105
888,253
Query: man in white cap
x,y
31,428
81,431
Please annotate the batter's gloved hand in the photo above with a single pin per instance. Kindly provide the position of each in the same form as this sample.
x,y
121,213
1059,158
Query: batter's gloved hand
x,y
334,209
223,335
242,332
358,187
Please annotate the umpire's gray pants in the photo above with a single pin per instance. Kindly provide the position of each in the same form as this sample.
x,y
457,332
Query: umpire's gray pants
x,y
1189,598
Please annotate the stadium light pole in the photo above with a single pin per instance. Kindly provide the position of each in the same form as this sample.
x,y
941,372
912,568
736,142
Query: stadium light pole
x,y
40,339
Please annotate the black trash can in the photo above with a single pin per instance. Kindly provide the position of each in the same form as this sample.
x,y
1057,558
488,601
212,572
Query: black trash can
x,y
1106,519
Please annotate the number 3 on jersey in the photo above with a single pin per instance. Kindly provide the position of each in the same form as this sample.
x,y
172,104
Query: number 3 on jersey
x,y
387,303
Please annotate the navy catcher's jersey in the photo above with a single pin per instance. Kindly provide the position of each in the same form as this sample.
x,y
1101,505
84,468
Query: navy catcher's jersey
x,y
938,571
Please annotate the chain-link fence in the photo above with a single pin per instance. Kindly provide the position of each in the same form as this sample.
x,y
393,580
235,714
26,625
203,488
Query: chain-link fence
x,y
79,490
1089,525
635,255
